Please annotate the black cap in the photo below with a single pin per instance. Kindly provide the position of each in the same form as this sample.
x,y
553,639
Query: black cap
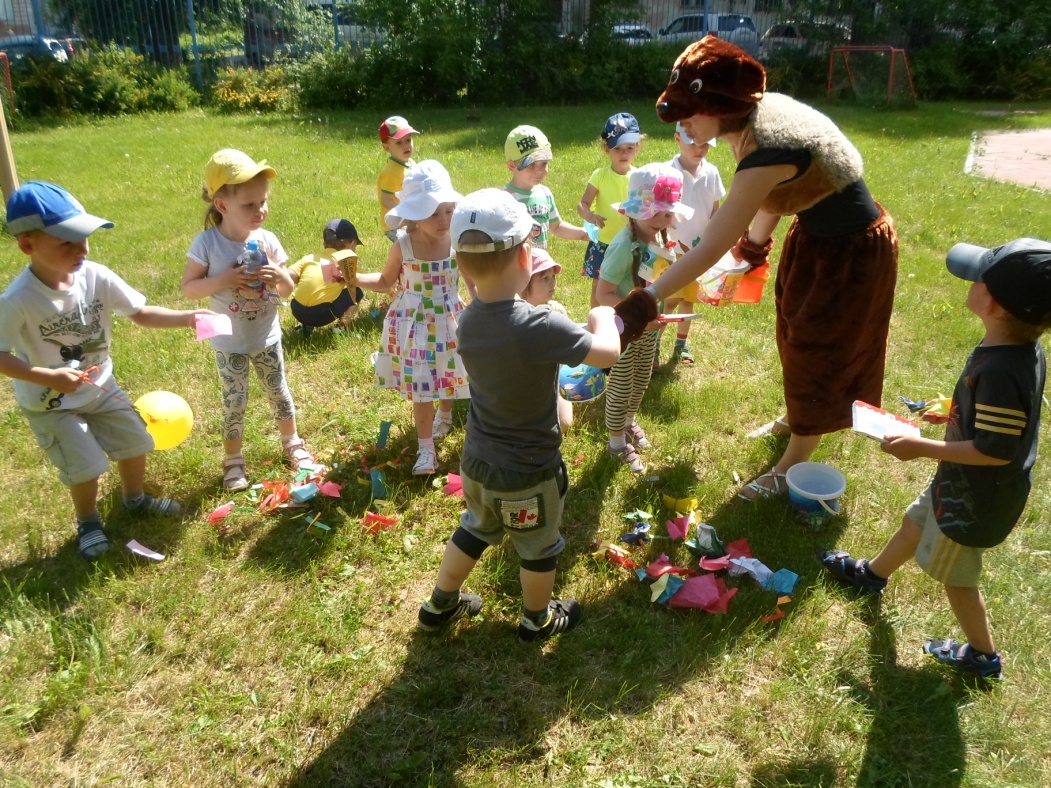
x,y
341,230
1018,275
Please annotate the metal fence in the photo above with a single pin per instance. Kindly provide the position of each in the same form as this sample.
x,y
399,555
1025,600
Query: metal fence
x,y
253,33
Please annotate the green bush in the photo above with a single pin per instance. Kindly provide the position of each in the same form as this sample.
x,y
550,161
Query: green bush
x,y
109,81
333,79
797,73
239,89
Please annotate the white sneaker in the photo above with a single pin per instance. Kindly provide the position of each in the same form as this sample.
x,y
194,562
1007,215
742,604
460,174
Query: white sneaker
x,y
441,427
426,462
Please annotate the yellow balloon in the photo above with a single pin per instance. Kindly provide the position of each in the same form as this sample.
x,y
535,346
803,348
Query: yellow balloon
x,y
168,418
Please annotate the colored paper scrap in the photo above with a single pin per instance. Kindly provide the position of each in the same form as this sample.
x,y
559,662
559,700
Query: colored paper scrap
x,y
331,489
209,326
664,588
680,504
638,535
750,566
783,581
638,514
379,486
304,493
374,523
453,485
680,526
318,528
706,544
614,553
381,439
663,566
780,612
735,549
145,552
219,513
706,592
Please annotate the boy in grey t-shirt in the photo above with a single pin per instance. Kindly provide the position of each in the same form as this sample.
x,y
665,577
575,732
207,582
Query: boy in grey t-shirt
x,y
514,481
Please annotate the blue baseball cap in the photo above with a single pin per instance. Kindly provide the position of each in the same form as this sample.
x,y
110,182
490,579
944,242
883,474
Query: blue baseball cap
x,y
620,129
44,206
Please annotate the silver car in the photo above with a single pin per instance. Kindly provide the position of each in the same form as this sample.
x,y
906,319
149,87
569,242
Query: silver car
x,y
739,30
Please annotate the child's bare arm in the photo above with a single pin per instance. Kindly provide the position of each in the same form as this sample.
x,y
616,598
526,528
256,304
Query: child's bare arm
x,y
606,293
584,207
64,379
570,232
196,284
385,280
907,447
605,343
162,317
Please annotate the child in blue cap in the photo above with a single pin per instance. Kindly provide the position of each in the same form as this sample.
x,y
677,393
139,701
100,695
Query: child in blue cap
x,y
56,325
983,478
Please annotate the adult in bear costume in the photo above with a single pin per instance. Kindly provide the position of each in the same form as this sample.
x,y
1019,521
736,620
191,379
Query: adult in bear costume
x,y
835,280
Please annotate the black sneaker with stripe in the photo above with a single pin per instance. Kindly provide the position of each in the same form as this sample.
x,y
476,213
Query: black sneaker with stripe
x,y
431,619
564,615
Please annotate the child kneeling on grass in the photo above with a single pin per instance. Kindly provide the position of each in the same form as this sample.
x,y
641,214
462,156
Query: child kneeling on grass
x,y
514,480
56,325
982,481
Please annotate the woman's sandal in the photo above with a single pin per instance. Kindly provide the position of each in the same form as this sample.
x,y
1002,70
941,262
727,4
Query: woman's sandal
x,y
778,426
760,490
234,478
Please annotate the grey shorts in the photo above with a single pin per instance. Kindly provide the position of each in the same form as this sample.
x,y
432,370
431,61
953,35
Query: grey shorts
x,y
948,562
80,443
525,506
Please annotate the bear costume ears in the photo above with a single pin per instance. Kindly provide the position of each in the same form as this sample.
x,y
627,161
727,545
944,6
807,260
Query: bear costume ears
x,y
712,77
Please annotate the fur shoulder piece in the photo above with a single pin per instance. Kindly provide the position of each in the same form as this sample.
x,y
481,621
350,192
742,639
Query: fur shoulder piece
x,y
782,122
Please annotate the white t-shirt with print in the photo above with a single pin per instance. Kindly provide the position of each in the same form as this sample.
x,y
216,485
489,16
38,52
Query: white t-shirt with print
x,y
50,328
254,317
701,193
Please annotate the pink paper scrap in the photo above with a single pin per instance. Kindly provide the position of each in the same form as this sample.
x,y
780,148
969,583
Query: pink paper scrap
x,y
706,592
331,489
209,326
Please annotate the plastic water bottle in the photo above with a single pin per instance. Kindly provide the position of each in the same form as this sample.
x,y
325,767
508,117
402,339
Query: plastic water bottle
x,y
253,258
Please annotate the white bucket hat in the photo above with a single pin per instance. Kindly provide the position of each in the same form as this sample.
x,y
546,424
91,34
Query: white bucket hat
x,y
426,186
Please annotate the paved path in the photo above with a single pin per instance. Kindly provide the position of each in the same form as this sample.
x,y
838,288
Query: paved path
x,y
1022,157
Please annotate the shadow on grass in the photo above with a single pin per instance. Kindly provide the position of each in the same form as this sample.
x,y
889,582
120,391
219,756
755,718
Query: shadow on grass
x,y
478,699
914,736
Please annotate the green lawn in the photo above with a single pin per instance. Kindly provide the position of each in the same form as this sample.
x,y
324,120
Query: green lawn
x,y
270,656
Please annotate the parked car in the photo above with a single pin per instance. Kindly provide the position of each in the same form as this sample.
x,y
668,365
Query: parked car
x,y
814,38
18,47
631,33
735,28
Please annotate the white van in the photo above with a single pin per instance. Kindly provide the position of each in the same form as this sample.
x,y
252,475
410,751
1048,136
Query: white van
x,y
739,30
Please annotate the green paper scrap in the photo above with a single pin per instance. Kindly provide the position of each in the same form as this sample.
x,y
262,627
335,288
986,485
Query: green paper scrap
x,y
318,528
381,439
379,486
303,474
638,514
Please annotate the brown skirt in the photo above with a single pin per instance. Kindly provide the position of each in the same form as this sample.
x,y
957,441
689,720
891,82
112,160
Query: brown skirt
x,y
834,298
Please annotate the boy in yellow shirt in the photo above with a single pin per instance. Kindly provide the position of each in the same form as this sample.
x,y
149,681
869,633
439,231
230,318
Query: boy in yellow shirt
x,y
321,296
396,136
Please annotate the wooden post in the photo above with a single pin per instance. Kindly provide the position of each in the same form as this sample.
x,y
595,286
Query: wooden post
x,y
8,174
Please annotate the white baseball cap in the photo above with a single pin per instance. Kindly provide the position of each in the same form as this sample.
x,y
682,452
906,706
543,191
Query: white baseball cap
x,y
687,138
495,213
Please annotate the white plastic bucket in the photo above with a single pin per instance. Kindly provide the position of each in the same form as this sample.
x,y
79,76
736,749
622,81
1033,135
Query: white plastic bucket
x,y
814,489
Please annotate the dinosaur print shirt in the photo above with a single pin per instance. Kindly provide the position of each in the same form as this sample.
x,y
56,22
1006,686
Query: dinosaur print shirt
x,y
996,404
59,328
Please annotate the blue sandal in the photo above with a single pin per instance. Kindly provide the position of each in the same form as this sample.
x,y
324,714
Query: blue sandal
x,y
91,540
962,657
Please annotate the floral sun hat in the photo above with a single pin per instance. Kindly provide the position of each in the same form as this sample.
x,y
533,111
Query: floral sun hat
x,y
653,189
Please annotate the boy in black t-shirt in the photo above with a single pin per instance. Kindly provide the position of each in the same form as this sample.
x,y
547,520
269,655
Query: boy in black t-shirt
x,y
982,481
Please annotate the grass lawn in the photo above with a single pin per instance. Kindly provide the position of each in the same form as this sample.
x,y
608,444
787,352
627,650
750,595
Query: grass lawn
x,y
266,655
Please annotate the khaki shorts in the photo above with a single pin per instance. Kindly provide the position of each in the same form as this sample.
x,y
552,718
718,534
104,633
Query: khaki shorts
x,y
524,506
948,562
80,443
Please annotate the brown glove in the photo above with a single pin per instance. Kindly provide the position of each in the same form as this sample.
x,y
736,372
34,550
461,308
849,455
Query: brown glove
x,y
752,253
636,311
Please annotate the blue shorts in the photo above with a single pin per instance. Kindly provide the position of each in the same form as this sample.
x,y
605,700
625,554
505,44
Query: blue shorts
x,y
593,259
